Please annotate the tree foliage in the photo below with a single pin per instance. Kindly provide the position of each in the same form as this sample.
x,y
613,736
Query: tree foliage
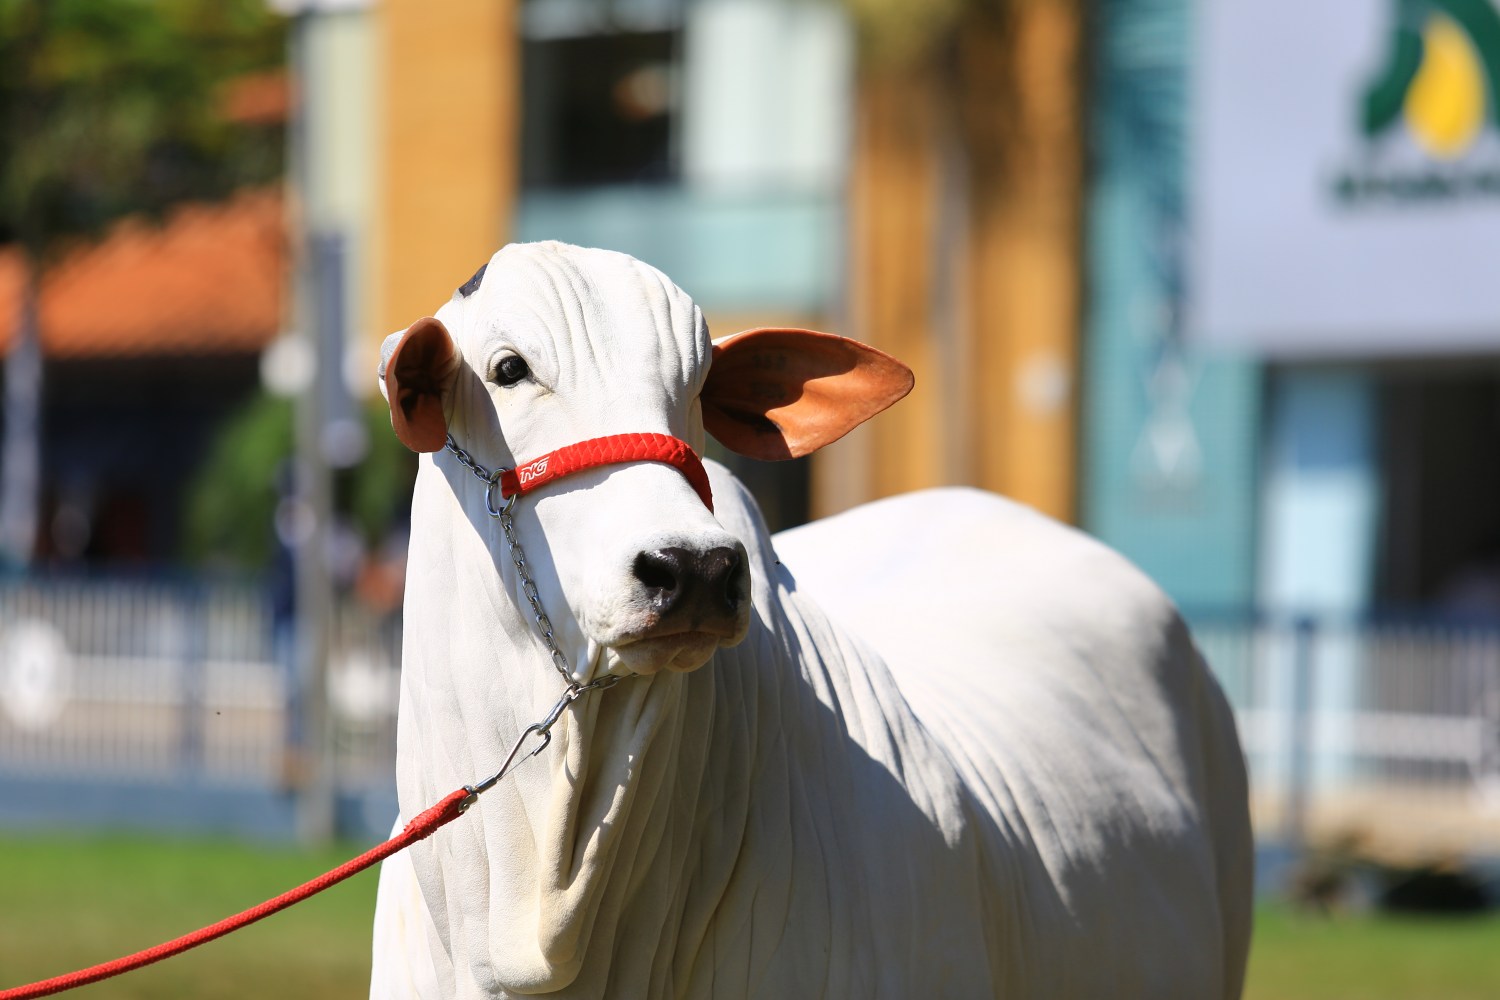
x,y
901,31
905,34
232,502
115,106
109,107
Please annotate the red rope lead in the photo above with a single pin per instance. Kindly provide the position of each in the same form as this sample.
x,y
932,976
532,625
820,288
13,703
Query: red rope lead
x,y
446,811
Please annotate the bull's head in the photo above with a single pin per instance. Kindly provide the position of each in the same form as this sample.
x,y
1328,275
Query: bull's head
x,y
549,345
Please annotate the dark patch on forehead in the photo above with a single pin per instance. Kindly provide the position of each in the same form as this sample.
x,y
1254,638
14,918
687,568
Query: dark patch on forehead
x,y
472,285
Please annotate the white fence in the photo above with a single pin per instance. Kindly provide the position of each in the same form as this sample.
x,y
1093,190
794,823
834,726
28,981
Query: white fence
x,y
1386,734
161,681
1380,737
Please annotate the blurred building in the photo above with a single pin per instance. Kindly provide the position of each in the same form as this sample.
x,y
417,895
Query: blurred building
x,y
1210,280
151,337
1146,284
709,139
1317,434
743,148
1293,342
654,127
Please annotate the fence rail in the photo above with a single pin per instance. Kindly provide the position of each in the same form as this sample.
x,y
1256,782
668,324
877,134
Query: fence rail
x,y
1383,737
181,682
1388,734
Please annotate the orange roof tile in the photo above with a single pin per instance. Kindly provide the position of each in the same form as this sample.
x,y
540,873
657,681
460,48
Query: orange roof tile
x,y
257,98
208,280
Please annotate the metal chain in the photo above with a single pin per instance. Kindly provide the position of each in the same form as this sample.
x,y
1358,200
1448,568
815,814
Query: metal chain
x,y
528,586
517,556
533,597
574,690
541,730
467,461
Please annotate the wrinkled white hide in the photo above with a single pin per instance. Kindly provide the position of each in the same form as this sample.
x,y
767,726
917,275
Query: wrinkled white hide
x,y
962,751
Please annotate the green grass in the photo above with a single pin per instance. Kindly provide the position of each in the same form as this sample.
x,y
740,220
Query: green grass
x,y
66,902
1373,957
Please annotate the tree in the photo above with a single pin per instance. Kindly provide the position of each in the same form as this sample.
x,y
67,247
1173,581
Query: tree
x,y
231,504
109,107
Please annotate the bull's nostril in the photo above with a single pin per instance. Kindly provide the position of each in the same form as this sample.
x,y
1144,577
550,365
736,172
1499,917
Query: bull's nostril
x,y
654,576
726,567
661,572
738,586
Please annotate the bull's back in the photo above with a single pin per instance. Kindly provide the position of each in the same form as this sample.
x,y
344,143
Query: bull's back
x,y
1100,758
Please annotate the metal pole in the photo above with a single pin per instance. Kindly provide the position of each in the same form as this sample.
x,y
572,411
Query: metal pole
x,y
192,618
21,461
312,485
1299,772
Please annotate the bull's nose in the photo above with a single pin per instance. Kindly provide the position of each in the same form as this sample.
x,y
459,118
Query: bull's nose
x,y
698,588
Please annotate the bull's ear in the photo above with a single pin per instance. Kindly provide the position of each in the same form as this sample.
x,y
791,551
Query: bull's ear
x,y
416,373
774,393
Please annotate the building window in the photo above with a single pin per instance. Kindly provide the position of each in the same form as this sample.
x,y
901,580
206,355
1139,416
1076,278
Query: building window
x,y
600,108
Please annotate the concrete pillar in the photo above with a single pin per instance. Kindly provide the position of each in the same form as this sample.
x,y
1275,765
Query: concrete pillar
x,y
447,129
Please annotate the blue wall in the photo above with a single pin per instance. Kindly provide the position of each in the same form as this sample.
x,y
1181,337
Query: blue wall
x,y
1170,435
732,252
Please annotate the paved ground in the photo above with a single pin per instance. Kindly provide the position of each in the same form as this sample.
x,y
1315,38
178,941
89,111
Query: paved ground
x,y
1394,824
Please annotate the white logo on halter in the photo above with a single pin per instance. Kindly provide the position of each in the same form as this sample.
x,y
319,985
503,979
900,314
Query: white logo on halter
x,y
535,470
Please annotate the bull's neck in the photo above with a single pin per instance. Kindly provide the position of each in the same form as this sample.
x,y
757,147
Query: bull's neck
x,y
668,813
571,869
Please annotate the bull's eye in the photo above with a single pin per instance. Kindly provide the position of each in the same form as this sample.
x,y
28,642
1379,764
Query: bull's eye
x,y
511,370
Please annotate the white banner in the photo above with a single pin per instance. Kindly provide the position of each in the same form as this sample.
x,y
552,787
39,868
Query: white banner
x,y
1345,176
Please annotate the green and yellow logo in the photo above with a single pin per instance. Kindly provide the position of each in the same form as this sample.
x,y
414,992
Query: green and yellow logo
x,y
1441,78
1441,75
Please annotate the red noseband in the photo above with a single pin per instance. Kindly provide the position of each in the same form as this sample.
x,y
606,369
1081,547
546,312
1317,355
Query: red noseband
x,y
612,450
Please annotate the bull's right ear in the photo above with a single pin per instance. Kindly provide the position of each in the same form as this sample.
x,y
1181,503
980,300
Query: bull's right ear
x,y
416,372
782,393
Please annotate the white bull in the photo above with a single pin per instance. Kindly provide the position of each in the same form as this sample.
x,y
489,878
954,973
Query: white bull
x,y
946,748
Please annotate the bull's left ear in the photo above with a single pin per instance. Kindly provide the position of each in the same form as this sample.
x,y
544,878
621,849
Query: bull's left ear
x,y
416,371
776,393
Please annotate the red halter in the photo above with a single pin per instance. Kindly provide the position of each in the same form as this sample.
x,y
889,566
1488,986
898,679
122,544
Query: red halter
x,y
611,450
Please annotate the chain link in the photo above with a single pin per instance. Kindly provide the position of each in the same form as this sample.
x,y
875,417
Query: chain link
x,y
541,731
517,556
467,461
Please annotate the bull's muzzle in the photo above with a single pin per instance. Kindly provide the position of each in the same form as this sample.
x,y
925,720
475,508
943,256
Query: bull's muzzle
x,y
694,591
